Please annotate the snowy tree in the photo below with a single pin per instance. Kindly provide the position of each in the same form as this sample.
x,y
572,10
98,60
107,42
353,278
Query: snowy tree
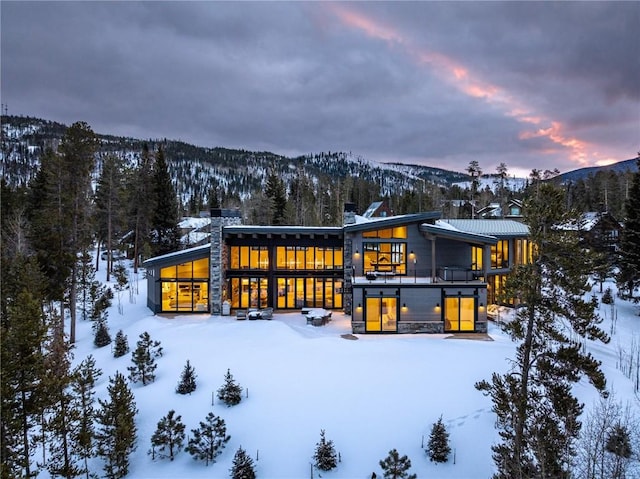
x,y
168,438
116,433
243,467
325,457
165,235
438,448
102,336
209,439
537,414
84,380
231,392
187,382
122,282
121,345
396,467
143,358
629,277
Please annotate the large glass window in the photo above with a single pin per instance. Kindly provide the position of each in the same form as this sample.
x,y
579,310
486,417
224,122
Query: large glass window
x,y
308,292
185,287
385,257
248,292
500,255
388,233
249,257
297,258
524,251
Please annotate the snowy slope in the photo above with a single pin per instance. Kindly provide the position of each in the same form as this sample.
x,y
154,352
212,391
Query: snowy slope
x,y
370,395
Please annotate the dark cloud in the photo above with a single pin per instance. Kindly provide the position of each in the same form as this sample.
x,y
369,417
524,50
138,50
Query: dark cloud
x,y
441,83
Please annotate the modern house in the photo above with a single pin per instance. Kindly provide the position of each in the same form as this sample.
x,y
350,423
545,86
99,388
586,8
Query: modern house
x,y
392,274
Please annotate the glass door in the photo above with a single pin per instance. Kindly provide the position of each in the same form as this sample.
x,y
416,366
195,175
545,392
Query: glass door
x,y
459,314
381,314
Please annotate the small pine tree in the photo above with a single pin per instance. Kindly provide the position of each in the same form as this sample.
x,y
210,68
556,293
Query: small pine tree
x,y
438,447
102,337
122,345
168,437
325,455
607,297
231,392
143,358
208,440
243,467
618,442
396,467
116,433
187,382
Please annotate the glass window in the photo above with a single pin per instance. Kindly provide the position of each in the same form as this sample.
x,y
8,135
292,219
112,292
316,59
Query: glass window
x,y
500,255
399,232
385,257
476,258
185,287
249,257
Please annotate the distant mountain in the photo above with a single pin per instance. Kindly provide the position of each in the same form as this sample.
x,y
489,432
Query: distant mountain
x,y
583,173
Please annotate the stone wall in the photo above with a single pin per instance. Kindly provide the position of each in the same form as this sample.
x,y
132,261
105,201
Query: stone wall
x,y
219,219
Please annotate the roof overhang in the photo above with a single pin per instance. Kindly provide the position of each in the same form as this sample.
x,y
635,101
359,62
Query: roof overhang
x,y
440,232
392,221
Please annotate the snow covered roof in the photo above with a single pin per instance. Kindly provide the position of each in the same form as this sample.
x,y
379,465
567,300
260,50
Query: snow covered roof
x,y
196,251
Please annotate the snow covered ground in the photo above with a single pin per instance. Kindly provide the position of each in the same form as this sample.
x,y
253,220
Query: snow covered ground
x,y
370,395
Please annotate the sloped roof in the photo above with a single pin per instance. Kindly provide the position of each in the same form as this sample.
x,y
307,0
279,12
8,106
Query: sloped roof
x,y
497,228
391,221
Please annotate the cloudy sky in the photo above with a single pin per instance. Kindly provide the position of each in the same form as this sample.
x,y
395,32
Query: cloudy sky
x,y
531,84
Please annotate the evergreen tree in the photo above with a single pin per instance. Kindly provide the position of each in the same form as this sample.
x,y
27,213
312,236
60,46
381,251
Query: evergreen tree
x,y
110,199
438,448
143,358
325,456
231,392
187,382
22,335
84,380
537,415
243,467
629,276
116,433
102,336
63,419
168,437
165,235
396,467
122,345
276,193
208,440
87,285
140,182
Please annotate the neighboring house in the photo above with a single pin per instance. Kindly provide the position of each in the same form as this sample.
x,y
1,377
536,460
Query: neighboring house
x,y
600,231
378,209
395,274
494,210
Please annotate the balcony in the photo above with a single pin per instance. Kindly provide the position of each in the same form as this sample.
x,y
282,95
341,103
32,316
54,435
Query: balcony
x,y
445,274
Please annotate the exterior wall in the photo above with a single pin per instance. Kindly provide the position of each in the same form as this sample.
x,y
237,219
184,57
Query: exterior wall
x,y
153,290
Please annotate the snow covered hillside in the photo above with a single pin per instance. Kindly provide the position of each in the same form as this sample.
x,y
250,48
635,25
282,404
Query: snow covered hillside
x,y
369,394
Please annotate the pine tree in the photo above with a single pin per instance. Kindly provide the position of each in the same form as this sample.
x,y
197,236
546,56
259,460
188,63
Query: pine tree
x,y
208,440
116,433
168,437
84,380
22,335
187,382
143,358
325,456
276,193
63,419
438,448
142,202
87,285
629,276
396,467
165,236
110,199
231,392
102,336
243,467
121,345
537,415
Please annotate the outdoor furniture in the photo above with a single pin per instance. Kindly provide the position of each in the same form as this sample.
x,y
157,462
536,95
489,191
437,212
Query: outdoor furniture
x,y
254,314
318,316
241,314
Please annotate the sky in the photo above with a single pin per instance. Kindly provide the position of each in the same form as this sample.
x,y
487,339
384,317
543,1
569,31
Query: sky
x,y
369,395
529,84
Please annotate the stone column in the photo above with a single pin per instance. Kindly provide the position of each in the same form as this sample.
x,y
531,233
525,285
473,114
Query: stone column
x,y
218,260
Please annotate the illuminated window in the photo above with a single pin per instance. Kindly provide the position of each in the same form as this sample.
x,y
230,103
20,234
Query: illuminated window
x,y
296,258
385,257
388,233
249,257
524,251
185,287
500,255
459,313
476,258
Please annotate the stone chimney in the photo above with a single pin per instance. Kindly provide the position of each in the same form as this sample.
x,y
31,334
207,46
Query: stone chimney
x,y
219,219
349,214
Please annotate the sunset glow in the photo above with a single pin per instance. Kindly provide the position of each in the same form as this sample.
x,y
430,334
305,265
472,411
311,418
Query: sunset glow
x,y
456,74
